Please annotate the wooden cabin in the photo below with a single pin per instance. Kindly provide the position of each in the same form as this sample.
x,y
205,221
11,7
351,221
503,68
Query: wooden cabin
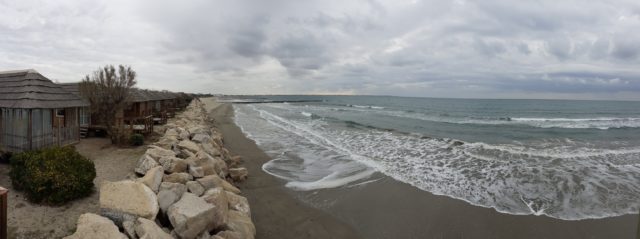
x,y
84,112
138,116
163,105
36,113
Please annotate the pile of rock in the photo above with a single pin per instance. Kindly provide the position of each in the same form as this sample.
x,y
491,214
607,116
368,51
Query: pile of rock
x,y
184,189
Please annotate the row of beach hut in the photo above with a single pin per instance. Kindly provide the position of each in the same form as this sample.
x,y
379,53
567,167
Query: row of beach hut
x,y
36,112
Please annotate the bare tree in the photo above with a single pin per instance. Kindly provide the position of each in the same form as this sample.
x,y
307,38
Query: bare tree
x,y
108,91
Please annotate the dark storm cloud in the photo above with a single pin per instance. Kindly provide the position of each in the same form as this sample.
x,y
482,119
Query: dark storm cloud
x,y
494,48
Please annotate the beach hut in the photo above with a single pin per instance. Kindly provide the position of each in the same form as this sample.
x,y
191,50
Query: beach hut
x,y
138,116
36,113
84,112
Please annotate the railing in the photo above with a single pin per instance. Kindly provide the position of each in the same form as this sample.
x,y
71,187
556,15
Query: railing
x,y
50,137
3,212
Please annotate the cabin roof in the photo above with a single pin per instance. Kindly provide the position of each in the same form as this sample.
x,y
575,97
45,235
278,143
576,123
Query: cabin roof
x,y
28,89
137,95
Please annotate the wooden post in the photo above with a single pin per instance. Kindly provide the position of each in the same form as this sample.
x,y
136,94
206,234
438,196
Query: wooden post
x,y
3,212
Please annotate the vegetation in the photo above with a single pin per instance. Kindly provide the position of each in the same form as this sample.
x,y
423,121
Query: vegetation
x,y
108,91
136,139
54,175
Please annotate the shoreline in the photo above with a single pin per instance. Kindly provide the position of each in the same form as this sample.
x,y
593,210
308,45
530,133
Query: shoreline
x,y
388,208
276,212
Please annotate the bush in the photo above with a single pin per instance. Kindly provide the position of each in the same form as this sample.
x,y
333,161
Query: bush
x,y
136,139
53,175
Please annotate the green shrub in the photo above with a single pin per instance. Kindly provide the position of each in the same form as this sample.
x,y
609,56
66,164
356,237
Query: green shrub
x,y
136,139
53,175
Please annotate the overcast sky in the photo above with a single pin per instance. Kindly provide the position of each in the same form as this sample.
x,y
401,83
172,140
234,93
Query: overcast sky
x,y
487,49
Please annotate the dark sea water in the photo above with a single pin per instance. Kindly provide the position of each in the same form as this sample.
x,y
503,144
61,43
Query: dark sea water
x,y
565,159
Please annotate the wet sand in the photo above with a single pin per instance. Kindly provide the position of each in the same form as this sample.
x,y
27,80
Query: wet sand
x,y
275,211
388,208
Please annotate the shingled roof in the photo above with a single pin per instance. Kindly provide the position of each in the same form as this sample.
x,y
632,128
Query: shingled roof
x,y
28,89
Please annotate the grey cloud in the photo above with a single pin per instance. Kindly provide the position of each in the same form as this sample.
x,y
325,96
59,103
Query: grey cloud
x,y
414,48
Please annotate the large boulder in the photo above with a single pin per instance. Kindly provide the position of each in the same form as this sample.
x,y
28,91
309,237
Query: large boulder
x,y
197,129
172,164
147,229
94,226
238,222
212,181
211,165
201,138
234,161
218,197
124,200
238,203
228,235
191,216
196,171
158,152
145,163
177,178
169,194
238,174
210,149
195,188
153,178
189,145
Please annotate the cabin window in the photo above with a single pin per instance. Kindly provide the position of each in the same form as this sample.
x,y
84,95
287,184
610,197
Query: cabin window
x,y
158,105
59,112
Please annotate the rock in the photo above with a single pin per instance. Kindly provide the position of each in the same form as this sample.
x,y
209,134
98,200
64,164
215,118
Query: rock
x,y
229,235
158,152
171,132
238,222
177,178
201,138
147,229
238,203
218,197
96,227
178,188
212,181
124,200
166,198
196,171
189,145
145,163
234,161
153,178
173,164
129,228
238,174
184,135
191,216
211,165
204,235
197,129
167,142
184,153
213,151
195,188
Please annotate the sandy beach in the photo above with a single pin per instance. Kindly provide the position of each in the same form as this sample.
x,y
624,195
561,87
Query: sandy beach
x,y
387,208
275,211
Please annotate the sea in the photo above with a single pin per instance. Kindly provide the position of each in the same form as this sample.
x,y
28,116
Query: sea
x,y
565,159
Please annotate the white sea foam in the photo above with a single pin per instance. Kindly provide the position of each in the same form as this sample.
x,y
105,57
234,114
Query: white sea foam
x,y
563,179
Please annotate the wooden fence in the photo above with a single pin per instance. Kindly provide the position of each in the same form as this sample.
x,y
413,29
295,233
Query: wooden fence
x,y
60,136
